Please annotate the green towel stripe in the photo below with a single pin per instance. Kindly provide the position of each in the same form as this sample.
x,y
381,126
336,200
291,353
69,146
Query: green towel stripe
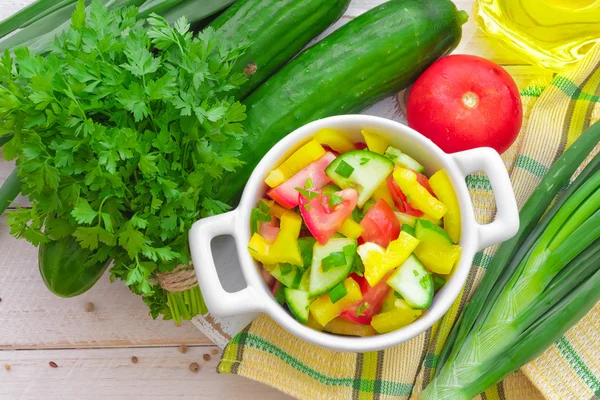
x,y
430,360
531,165
478,182
482,260
533,91
572,90
578,365
387,387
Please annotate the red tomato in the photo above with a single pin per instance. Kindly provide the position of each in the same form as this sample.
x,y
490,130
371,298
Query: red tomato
x,y
286,193
400,199
360,146
463,101
322,219
380,224
374,296
269,230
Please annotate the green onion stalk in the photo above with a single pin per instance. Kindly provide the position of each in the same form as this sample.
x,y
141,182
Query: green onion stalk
x,y
540,283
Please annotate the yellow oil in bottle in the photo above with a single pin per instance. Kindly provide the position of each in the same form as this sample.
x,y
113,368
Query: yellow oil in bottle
x,y
550,33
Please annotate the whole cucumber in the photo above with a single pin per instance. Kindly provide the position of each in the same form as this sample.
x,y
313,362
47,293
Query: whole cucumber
x,y
62,266
275,32
372,57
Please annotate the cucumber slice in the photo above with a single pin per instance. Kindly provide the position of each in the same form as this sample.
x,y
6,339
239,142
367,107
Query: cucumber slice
x,y
428,231
362,170
409,229
414,283
406,219
298,302
322,281
305,281
403,160
289,275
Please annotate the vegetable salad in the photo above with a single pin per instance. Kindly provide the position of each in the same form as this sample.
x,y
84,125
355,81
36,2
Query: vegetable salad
x,y
353,238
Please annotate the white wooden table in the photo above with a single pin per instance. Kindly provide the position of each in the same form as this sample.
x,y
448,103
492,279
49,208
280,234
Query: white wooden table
x,y
93,350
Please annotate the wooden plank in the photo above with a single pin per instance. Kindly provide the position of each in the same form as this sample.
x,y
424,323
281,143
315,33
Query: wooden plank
x,y
32,317
160,373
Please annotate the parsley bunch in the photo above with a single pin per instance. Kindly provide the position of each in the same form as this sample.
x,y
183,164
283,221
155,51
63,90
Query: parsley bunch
x,y
120,132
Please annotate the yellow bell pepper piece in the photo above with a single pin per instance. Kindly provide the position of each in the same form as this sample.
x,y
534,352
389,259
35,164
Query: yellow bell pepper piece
x,y
337,140
378,262
305,155
374,142
312,323
340,326
259,249
417,195
285,248
351,229
323,310
400,316
383,192
441,186
438,259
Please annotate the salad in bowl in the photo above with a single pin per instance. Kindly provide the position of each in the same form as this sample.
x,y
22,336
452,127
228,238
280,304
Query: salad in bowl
x,y
354,238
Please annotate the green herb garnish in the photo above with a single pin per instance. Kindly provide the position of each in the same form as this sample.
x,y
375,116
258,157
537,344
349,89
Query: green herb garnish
x,y
360,311
344,169
338,292
335,199
336,259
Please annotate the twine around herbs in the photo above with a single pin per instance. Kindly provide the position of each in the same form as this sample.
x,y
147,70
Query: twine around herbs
x,y
180,279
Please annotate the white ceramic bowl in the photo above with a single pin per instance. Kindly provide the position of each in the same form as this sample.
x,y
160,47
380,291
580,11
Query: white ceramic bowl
x,y
256,297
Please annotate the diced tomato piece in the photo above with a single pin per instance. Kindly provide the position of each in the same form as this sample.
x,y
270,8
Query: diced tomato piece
x,y
321,218
286,193
380,224
330,150
269,230
424,181
360,146
400,199
371,303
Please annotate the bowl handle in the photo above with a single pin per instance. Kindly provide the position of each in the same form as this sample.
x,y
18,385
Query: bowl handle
x,y
218,300
506,223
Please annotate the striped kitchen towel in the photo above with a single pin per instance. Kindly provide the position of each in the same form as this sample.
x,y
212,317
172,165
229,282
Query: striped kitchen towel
x,y
557,110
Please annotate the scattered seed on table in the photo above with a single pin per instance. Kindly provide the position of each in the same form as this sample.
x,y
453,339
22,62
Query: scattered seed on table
x,y
53,364
0,299
194,367
183,348
215,352
7,367
89,307
134,359
206,357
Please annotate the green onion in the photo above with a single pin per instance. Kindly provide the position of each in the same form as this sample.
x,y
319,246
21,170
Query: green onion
x,y
333,260
31,14
195,10
533,283
156,6
344,169
338,292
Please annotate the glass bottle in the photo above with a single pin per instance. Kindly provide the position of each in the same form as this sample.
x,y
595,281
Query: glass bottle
x,y
549,33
